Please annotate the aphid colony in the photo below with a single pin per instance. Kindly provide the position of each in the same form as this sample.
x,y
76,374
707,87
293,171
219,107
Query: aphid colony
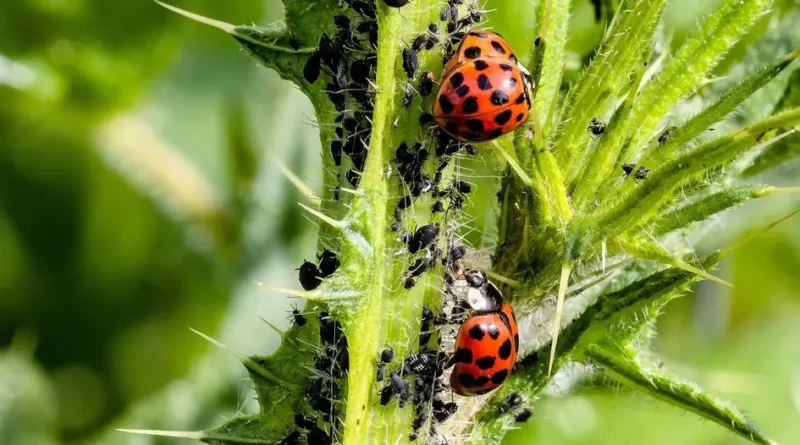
x,y
349,59
331,365
483,94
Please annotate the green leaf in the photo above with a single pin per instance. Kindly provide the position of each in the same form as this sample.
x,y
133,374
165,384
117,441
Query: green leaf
x,y
554,15
717,111
627,41
688,68
648,249
681,75
623,364
635,205
788,148
249,430
685,214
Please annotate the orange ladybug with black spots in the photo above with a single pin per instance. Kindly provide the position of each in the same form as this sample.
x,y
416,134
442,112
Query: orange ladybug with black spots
x,y
486,350
484,93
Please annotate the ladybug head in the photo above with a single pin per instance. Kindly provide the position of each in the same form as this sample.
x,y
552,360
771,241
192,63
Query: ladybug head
x,y
473,291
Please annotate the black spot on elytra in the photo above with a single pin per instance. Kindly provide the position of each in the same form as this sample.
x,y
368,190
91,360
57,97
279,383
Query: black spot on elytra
x,y
473,52
493,331
480,65
446,105
499,97
476,332
511,82
466,380
503,118
520,99
485,362
505,350
476,126
496,133
470,105
498,47
505,320
479,35
482,380
506,67
456,79
462,91
463,355
484,83
451,127
516,342
500,376
520,116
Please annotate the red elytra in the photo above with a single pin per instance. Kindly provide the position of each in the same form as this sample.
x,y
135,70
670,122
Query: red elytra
x,y
481,45
486,349
483,93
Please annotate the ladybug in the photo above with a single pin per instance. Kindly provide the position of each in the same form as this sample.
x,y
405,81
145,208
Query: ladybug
x,y
486,350
484,92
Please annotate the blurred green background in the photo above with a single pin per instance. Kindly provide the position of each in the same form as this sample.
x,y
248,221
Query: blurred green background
x,y
139,196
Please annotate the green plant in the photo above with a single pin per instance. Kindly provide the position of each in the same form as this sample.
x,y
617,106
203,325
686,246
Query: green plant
x,y
575,236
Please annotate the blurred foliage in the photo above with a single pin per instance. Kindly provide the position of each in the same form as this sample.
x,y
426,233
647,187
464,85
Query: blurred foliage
x,y
106,264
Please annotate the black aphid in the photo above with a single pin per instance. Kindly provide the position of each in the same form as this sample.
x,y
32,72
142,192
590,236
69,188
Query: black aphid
x,y
523,415
667,134
297,318
336,151
310,277
387,355
408,96
641,172
318,436
443,411
510,403
418,267
395,3
455,253
462,186
410,62
328,263
353,177
425,83
423,237
311,68
304,422
596,127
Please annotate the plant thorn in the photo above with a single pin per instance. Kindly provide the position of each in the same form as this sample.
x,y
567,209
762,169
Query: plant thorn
x,y
566,268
